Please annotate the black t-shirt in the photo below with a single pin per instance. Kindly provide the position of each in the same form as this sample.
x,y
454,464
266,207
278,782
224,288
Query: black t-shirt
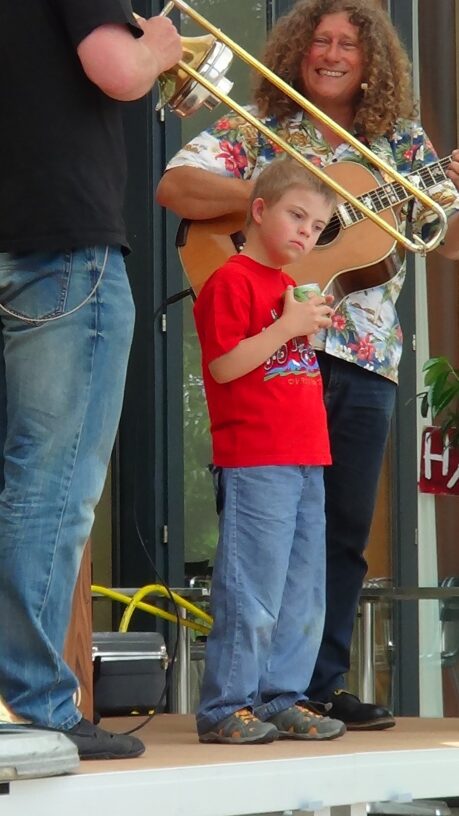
x,y
62,155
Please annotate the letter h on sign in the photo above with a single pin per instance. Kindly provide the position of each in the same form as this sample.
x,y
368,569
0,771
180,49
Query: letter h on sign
x,y
439,464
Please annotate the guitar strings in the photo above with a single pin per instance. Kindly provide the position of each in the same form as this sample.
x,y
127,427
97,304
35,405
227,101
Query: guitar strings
x,y
378,198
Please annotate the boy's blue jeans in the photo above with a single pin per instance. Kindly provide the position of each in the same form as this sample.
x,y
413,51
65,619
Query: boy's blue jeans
x,y
61,390
268,589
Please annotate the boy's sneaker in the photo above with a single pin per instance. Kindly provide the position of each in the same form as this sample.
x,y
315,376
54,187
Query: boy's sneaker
x,y
301,722
93,742
241,728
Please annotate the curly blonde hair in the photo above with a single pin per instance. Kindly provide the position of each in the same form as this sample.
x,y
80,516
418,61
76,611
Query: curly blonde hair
x,y
389,94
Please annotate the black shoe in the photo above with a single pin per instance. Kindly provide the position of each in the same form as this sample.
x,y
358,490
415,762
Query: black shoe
x,y
93,742
358,716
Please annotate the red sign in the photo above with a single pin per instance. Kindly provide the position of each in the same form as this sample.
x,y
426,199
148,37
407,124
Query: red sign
x,y
439,464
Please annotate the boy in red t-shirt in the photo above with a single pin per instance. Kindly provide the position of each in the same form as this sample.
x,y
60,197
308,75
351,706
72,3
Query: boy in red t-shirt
x,y
270,443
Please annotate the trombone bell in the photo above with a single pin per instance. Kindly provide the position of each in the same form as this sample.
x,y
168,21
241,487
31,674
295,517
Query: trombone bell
x,y
211,59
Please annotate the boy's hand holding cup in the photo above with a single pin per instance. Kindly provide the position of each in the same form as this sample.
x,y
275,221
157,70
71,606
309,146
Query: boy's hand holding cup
x,y
314,312
305,291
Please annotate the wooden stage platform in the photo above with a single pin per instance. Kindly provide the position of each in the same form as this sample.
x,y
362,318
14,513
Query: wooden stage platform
x,y
177,776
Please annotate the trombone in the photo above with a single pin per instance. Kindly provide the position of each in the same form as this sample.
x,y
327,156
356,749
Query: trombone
x,y
206,60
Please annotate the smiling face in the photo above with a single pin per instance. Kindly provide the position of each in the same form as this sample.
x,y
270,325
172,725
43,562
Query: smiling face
x,y
290,227
333,69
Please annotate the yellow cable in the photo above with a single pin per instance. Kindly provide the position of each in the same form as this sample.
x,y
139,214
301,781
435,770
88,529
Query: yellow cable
x,y
126,599
160,590
152,610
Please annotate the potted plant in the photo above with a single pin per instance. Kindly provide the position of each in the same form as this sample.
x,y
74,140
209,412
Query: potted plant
x,y
442,397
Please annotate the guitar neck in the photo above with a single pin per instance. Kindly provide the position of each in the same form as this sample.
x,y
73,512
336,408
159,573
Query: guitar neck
x,y
344,260
391,194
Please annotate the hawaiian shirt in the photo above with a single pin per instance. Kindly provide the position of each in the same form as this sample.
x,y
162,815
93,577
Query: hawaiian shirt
x,y
366,329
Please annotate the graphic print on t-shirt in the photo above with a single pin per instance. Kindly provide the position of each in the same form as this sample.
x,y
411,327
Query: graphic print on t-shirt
x,y
294,357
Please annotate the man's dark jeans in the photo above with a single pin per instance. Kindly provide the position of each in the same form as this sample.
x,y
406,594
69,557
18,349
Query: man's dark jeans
x,y
359,407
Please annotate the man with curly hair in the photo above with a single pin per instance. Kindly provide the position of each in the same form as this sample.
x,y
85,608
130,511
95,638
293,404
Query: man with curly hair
x,y
346,58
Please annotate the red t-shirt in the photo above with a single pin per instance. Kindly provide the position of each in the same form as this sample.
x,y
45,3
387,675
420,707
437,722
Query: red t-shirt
x,y
275,414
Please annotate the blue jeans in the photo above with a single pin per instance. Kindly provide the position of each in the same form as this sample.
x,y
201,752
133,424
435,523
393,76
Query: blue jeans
x,y
268,589
359,409
61,391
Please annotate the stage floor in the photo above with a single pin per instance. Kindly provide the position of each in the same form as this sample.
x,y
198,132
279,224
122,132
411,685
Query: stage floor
x,y
419,758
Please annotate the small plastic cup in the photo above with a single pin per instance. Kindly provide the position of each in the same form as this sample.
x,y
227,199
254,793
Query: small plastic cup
x,y
305,291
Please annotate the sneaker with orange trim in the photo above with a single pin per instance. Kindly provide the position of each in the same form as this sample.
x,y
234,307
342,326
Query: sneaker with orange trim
x,y
302,722
240,728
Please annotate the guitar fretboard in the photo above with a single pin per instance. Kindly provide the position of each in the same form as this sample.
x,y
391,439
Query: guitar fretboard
x,y
388,195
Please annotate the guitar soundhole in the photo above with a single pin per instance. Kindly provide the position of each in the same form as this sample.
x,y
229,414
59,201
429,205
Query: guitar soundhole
x,y
330,232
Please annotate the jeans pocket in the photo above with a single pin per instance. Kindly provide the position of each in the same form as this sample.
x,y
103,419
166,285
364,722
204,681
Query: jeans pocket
x,y
34,285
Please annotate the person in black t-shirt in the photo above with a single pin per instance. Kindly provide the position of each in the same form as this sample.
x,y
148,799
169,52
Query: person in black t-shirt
x,y
66,316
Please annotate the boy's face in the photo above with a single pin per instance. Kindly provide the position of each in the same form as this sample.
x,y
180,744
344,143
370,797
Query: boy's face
x,y
290,228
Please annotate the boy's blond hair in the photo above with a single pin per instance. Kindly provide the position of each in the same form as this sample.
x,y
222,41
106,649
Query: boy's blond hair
x,y
281,175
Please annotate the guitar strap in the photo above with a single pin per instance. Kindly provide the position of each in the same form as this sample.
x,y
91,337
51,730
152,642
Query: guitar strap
x,y
238,239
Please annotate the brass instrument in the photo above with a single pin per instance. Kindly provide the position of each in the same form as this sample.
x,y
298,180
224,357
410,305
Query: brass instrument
x,y
204,61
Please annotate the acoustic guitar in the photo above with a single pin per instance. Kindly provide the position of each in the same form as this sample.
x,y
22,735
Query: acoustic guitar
x,y
352,254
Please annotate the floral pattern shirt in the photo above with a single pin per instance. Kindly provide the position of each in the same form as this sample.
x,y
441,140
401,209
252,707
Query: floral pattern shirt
x,y
366,328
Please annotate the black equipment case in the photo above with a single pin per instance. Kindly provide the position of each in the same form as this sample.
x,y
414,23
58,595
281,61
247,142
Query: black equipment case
x,y
129,670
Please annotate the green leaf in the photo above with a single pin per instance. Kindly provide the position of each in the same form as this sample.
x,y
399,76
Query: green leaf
x,y
443,397
437,390
437,369
432,361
